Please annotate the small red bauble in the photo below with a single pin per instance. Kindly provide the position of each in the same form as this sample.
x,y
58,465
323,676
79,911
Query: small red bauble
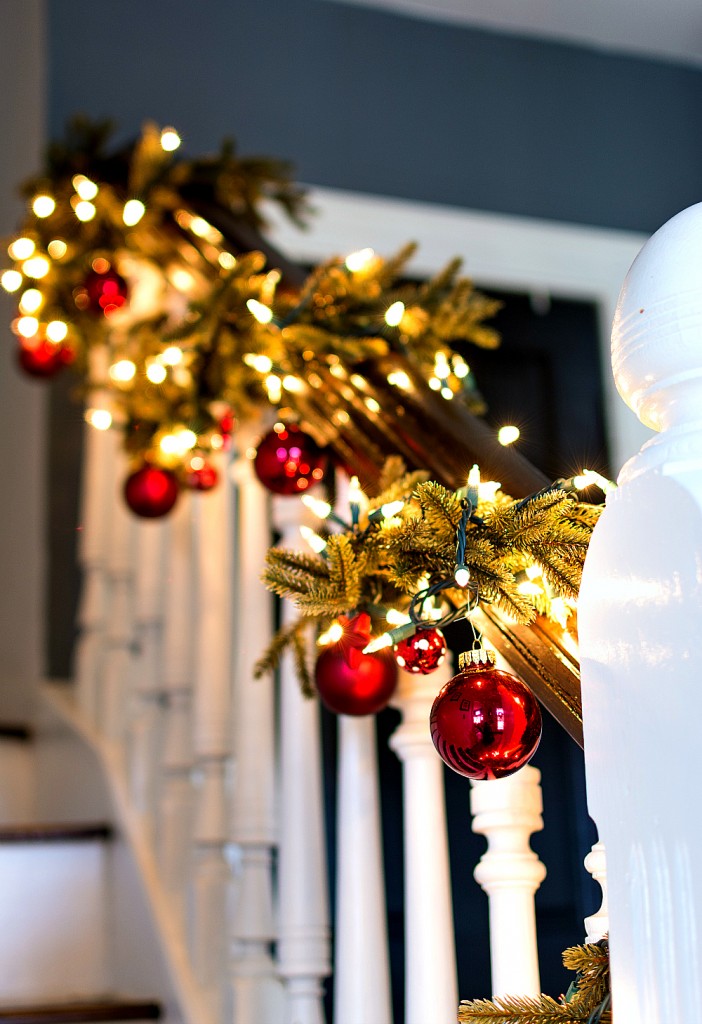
x,y
43,358
485,723
362,690
151,491
421,653
289,461
202,476
103,290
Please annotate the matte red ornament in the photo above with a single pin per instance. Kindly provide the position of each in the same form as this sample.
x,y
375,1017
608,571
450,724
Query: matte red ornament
x,y
289,461
363,689
151,491
485,723
42,358
200,477
421,653
103,291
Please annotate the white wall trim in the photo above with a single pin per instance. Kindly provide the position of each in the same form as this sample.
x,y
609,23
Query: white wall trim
x,y
500,251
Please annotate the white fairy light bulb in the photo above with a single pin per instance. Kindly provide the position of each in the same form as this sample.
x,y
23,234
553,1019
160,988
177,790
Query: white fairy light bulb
x,y
508,435
170,140
264,314
21,248
85,188
122,371
43,206
156,373
133,211
101,419
56,331
31,300
11,280
356,261
317,543
394,314
36,266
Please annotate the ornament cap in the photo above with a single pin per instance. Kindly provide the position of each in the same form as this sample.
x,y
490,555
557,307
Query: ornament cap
x,y
477,658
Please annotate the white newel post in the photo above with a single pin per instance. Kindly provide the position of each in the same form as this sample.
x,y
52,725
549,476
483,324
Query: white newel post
x,y
145,714
256,989
430,952
639,618
304,941
597,924
213,675
120,636
507,811
176,792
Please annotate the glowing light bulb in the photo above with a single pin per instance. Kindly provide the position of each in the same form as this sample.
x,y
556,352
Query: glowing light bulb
x,y
31,300
396,618
399,379
356,261
391,508
170,139
11,280
508,435
260,363
133,211
36,266
27,326
262,313
84,210
292,383
122,371
462,576
57,249
200,227
156,373
394,314
273,387
56,330
101,419
378,644
447,393
435,384
226,261
43,206
316,505
532,571
371,404
21,248
460,367
487,489
171,356
85,188
589,477
317,543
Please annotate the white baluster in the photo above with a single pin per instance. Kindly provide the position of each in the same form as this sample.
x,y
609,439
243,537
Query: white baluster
x,y
211,872
430,953
507,811
257,991
120,632
145,715
303,946
639,617
176,796
597,924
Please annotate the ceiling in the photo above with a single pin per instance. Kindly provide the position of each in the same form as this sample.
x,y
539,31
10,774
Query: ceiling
x,y
662,29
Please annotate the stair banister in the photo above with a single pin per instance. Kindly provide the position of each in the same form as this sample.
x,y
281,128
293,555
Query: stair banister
x,y
430,952
257,990
211,874
639,616
597,924
304,939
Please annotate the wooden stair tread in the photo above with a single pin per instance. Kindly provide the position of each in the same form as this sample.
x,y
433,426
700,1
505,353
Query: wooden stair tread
x,y
56,832
82,1012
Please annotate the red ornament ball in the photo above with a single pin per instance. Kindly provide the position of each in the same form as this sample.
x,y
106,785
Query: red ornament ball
x,y
42,358
289,461
363,689
103,290
485,723
151,491
421,653
200,475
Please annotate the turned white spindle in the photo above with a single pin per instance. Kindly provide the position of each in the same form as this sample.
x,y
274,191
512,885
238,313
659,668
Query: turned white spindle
x,y
304,940
120,632
597,924
176,792
257,992
98,496
639,616
145,713
430,952
213,681
507,811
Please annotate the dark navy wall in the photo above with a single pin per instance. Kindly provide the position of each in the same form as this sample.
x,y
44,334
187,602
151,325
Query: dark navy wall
x,y
383,103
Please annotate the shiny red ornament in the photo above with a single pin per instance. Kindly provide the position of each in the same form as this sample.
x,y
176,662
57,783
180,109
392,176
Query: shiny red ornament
x,y
421,653
289,461
151,491
363,689
485,723
103,291
42,358
200,477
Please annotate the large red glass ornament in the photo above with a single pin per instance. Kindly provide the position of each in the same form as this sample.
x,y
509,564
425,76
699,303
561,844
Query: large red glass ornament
x,y
42,358
363,689
151,491
200,475
485,723
103,291
289,461
421,653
